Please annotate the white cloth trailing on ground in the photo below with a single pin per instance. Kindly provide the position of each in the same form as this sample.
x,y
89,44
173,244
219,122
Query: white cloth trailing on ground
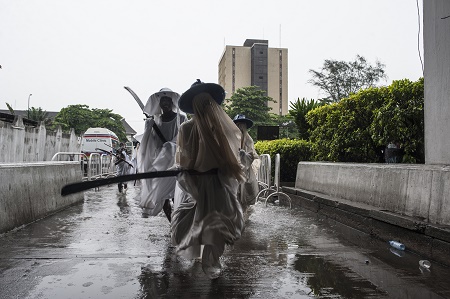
x,y
207,211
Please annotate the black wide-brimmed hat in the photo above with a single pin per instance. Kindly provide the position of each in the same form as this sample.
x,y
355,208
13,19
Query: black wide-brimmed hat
x,y
215,90
241,118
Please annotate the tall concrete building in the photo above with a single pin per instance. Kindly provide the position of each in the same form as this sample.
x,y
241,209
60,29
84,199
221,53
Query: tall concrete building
x,y
256,64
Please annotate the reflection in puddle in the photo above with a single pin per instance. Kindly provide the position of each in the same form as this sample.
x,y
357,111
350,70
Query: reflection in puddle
x,y
397,252
329,280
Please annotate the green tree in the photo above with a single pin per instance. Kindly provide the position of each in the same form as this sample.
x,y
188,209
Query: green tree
x,y
80,118
105,118
252,102
340,79
298,111
37,114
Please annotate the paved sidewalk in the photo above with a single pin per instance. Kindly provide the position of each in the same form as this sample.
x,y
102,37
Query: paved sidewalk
x,y
103,248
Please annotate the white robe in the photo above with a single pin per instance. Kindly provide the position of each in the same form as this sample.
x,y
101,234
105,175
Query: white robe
x,y
154,155
207,211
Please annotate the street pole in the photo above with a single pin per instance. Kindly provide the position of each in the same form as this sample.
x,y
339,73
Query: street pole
x,y
28,112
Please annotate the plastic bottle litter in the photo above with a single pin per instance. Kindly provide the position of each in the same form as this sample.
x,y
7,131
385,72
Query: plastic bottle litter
x,y
425,264
397,245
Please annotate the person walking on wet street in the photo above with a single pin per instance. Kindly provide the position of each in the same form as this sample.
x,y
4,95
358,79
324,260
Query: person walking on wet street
x,y
157,151
122,166
248,190
207,212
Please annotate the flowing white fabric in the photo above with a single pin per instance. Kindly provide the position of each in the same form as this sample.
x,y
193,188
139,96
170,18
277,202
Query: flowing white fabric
x,y
133,161
207,211
154,155
251,162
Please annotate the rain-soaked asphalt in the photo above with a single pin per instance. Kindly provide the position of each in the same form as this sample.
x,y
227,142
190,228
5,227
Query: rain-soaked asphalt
x,y
103,248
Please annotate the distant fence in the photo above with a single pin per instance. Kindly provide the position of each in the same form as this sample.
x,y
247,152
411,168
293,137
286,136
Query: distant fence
x,y
20,143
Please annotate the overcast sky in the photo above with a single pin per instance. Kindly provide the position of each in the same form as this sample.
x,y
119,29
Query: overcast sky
x,y
83,52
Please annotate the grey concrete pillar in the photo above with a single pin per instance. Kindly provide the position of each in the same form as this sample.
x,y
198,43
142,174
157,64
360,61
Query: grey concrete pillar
x,y
18,136
436,39
40,147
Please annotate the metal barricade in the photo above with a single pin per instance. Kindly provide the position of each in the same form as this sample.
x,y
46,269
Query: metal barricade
x,y
269,190
264,172
93,167
108,168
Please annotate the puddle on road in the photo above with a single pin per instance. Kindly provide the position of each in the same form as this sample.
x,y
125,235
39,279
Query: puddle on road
x,y
326,279
282,254
99,279
303,255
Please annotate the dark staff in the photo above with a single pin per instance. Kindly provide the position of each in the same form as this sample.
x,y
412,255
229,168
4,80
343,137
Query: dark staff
x,y
115,155
81,186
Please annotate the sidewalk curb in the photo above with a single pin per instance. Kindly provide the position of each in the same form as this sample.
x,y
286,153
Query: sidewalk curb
x,y
429,240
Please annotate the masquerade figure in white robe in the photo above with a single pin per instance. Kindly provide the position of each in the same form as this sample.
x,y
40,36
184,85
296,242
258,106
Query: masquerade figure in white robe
x,y
122,166
207,212
248,190
157,151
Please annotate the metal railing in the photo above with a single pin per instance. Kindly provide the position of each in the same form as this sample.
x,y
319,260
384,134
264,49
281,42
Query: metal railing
x,y
264,180
100,166
68,156
94,167
265,171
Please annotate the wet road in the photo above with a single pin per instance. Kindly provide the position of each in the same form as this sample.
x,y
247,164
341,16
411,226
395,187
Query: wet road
x,y
103,248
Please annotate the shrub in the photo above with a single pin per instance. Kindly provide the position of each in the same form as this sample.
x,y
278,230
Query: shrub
x,y
401,119
291,152
359,127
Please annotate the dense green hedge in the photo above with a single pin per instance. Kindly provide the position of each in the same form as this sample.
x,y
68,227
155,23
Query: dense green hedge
x,y
359,127
291,152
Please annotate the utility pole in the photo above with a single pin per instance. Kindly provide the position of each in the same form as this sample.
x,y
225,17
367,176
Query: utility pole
x,y
28,111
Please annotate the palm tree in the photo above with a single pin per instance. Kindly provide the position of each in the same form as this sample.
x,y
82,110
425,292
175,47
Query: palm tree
x,y
37,114
11,110
299,109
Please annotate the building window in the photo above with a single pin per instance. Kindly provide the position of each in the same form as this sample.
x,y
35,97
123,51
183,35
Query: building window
x,y
260,77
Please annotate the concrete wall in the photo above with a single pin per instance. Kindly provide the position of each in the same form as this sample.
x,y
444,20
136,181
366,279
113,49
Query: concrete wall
x,y
421,191
31,191
436,40
19,143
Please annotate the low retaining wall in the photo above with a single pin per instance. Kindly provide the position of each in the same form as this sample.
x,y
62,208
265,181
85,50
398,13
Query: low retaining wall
x,y
420,191
30,191
20,143
430,241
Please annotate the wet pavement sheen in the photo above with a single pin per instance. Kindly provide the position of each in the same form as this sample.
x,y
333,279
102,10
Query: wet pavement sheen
x,y
103,248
